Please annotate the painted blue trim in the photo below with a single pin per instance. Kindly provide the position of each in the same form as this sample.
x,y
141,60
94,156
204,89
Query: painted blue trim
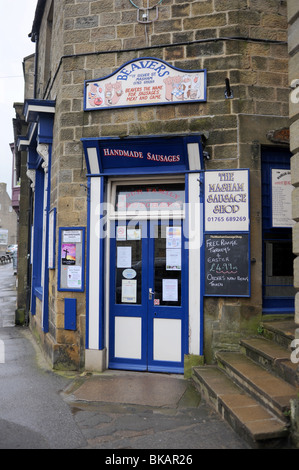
x,y
87,265
127,366
70,314
102,271
273,158
38,292
46,266
37,236
38,107
54,211
150,172
138,59
202,271
60,289
113,158
281,310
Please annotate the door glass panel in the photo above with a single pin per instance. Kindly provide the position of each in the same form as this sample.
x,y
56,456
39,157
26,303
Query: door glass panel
x,y
279,269
150,197
168,265
128,265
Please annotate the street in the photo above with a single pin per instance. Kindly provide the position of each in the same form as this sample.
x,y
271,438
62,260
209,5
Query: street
x,y
120,411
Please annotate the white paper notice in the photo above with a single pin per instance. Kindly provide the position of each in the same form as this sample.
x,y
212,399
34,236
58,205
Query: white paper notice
x,y
128,291
170,290
173,259
282,198
124,256
134,234
121,233
72,236
74,277
173,237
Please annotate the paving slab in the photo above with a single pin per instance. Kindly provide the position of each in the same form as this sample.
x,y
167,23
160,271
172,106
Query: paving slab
x,y
139,389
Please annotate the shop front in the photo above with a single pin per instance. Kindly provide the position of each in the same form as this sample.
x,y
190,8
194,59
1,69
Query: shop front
x,y
145,234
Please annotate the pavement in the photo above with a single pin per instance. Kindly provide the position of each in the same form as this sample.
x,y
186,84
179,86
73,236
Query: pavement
x,y
119,412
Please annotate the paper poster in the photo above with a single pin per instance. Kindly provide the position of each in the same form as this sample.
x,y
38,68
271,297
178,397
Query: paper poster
x,y
282,198
170,290
134,233
124,257
72,236
122,202
74,277
121,233
129,291
68,253
173,259
173,237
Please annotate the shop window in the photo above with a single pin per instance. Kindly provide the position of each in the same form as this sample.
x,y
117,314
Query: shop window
x,y
150,198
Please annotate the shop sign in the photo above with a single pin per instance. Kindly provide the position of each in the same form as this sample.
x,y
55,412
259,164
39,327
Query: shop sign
x,y
227,200
227,266
145,81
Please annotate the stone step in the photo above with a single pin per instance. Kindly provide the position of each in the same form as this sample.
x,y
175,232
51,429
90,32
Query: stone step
x,y
255,424
272,392
272,357
281,332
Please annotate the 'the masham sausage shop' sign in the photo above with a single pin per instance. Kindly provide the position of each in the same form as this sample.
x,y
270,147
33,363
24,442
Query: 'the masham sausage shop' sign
x,y
227,200
146,81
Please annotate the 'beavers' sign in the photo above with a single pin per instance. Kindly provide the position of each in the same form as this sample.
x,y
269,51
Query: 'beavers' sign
x,y
146,81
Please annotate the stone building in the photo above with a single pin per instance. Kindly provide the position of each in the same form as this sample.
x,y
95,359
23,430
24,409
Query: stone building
x,y
182,106
8,220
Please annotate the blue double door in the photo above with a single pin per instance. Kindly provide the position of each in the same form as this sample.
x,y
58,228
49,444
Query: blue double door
x,y
148,296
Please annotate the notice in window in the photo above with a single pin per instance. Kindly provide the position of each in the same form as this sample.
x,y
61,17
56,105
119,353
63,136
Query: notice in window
x,y
173,259
129,291
173,237
124,256
170,290
74,280
282,198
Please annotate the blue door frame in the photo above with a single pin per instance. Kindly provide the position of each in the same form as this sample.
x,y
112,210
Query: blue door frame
x,y
148,307
274,158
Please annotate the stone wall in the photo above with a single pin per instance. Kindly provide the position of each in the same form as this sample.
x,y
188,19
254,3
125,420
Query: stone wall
x,y
242,40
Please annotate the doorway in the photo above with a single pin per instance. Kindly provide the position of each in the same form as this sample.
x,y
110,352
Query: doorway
x,y
148,313
278,290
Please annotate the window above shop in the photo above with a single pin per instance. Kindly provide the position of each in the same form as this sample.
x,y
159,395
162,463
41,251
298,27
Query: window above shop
x,y
148,199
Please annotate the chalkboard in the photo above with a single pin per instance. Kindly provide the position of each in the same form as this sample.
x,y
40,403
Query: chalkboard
x,y
227,265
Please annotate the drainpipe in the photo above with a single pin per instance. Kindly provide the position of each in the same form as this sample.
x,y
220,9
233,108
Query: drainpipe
x,y
35,65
